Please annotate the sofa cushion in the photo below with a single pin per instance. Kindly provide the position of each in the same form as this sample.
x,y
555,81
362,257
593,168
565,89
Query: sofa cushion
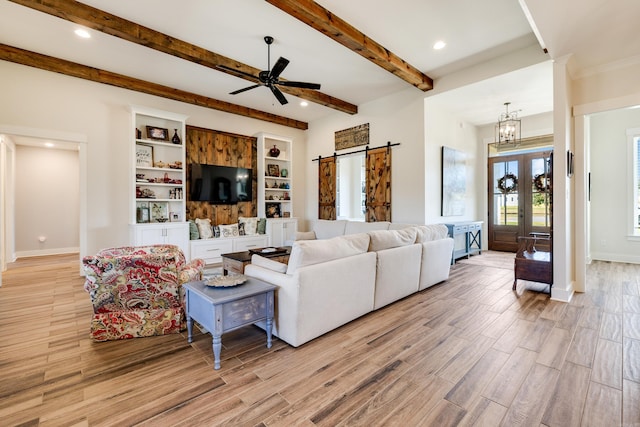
x,y
355,227
305,235
309,252
326,229
269,264
427,233
387,239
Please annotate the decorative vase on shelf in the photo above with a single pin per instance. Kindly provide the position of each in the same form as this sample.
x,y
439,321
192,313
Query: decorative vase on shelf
x,y
274,152
176,138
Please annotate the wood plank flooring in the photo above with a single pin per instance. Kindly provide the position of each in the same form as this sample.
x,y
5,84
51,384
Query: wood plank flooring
x,y
466,352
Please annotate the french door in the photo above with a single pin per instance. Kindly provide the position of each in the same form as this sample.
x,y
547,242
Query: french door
x,y
519,198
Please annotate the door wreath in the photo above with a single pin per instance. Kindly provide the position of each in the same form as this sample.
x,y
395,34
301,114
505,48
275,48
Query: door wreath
x,y
541,182
508,183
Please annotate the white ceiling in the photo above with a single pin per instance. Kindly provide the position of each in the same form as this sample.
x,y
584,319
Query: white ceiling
x,y
595,31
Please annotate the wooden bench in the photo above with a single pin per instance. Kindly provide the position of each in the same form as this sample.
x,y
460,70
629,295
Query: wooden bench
x,y
534,261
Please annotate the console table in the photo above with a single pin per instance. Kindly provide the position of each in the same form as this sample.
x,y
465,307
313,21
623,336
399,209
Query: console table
x,y
468,238
221,310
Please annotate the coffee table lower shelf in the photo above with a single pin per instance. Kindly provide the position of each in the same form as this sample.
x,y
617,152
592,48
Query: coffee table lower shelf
x,y
221,310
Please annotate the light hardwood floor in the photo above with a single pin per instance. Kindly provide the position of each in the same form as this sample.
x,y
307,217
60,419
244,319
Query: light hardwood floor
x,y
466,352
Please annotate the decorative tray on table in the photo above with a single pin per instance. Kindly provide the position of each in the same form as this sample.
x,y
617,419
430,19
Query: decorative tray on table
x,y
226,281
268,251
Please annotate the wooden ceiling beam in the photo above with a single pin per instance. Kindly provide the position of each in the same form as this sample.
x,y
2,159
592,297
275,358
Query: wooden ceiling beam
x,y
57,65
113,25
321,19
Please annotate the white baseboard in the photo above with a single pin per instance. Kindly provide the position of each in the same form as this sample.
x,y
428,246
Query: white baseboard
x,y
562,295
44,252
613,257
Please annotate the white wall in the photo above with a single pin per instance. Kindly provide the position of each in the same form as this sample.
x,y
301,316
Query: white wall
x,y
39,99
396,118
610,186
445,129
47,201
612,87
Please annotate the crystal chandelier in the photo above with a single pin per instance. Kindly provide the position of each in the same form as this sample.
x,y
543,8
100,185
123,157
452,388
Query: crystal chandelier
x,y
508,133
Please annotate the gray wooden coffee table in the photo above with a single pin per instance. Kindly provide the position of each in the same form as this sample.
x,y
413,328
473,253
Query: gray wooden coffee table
x,y
221,310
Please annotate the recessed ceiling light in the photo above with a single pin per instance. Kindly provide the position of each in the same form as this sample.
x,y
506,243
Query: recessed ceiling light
x,y
304,103
81,32
439,45
49,144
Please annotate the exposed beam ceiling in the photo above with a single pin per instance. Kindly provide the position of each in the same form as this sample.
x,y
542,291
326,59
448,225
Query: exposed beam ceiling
x,y
321,19
99,20
49,63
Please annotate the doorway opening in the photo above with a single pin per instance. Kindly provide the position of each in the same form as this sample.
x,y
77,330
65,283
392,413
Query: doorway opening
x,y
520,199
12,138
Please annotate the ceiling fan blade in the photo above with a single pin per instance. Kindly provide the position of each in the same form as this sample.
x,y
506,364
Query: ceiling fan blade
x,y
278,68
278,94
235,92
303,85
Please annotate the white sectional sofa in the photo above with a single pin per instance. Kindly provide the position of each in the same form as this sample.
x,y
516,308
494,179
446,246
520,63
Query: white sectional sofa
x,y
348,270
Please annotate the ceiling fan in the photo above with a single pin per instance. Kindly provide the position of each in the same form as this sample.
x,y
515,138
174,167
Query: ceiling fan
x,y
271,77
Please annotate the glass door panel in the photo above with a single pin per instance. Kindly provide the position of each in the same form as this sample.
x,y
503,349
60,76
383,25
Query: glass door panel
x,y
520,198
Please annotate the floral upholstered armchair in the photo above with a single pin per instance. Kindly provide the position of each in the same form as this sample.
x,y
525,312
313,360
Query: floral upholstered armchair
x,y
137,291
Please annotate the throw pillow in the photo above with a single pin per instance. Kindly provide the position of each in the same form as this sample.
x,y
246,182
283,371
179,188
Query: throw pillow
x,y
193,231
326,229
309,252
230,230
387,239
430,232
250,225
269,264
262,226
305,235
204,228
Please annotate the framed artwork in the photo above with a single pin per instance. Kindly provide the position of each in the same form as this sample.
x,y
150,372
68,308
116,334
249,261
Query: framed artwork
x,y
175,217
142,212
159,211
272,210
454,182
144,155
274,170
159,134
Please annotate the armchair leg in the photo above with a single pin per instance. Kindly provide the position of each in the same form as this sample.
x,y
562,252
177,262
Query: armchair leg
x,y
515,283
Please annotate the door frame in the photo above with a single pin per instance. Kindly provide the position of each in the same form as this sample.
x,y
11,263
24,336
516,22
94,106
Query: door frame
x,y
524,192
67,137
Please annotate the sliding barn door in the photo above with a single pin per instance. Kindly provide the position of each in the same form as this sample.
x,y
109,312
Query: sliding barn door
x,y
378,204
327,188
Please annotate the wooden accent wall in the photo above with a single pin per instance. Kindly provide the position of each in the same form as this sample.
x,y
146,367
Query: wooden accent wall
x,y
219,148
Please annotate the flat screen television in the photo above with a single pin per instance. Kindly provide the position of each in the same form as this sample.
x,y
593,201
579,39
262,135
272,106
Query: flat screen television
x,y
220,185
